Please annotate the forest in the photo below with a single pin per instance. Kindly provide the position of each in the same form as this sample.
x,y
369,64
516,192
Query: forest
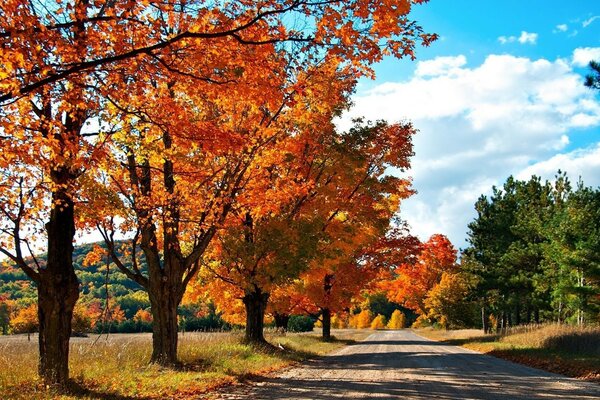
x,y
198,141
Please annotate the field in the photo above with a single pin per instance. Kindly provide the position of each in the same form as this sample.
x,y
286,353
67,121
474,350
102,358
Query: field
x,y
116,366
568,350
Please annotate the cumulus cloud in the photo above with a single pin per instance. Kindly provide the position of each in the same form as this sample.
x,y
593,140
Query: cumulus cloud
x,y
440,66
583,55
583,163
528,37
524,38
479,124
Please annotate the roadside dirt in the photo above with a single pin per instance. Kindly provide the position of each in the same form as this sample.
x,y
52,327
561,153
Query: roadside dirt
x,y
403,365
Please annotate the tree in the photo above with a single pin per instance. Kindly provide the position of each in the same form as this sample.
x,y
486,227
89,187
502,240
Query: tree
x,y
445,302
25,320
532,252
413,281
397,320
44,155
593,80
506,240
378,322
573,250
361,320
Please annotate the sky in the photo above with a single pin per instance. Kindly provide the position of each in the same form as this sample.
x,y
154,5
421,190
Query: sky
x,y
500,93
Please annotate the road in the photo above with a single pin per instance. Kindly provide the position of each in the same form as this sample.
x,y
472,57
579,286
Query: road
x,y
403,365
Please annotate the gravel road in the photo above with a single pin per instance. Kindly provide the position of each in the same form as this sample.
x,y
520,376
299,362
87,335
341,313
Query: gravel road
x,y
403,365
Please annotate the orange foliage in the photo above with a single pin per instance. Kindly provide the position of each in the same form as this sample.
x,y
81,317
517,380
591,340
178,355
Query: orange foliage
x,y
361,320
142,316
413,281
25,320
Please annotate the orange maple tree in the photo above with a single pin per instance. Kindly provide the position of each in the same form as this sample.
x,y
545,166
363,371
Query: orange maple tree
x,y
413,281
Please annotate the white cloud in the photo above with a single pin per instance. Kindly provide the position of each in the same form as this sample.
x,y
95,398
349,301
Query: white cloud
x,y
588,21
524,38
507,39
477,126
583,163
440,66
583,55
528,37
561,28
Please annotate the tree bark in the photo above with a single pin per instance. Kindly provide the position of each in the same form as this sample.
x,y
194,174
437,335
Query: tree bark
x,y
163,305
58,291
255,303
326,320
484,320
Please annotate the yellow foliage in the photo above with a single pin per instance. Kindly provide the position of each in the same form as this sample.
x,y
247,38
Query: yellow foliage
x,y
338,322
444,301
397,320
361,320
378,322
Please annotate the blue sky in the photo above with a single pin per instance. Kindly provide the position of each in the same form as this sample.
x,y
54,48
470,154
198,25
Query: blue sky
x,y
500,93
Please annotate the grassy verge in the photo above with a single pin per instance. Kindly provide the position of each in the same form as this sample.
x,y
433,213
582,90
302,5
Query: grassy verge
x,y
116,367
565,350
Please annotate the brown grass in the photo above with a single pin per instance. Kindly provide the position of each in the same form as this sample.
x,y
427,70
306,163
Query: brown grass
x,y
568,350
116,367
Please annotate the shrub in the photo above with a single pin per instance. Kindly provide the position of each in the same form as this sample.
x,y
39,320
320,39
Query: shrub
x,y
378,322
300,323
397,320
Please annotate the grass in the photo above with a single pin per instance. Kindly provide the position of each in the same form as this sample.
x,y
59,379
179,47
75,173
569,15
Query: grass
x,y
116,367
568,350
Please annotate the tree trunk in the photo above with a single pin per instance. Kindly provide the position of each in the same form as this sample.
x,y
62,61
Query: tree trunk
x,y
281,321
484,320
58,291
164,325
255,303
326,320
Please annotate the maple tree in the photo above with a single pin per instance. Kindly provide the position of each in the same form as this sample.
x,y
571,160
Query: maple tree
x,y
25,320
414,280
270,239
45,152
258,258
365,201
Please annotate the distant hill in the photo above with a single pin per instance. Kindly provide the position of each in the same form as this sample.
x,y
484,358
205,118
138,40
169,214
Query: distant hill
x,y
17,288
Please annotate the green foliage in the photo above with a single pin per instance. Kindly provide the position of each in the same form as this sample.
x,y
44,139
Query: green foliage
x,y
300,323
378,303
533,252
593,79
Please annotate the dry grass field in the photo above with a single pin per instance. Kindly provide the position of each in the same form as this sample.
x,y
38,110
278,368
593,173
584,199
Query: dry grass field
x,y
116,366
568,350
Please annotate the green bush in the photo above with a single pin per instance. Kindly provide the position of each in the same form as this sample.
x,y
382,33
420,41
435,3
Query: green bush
x,y
300,323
